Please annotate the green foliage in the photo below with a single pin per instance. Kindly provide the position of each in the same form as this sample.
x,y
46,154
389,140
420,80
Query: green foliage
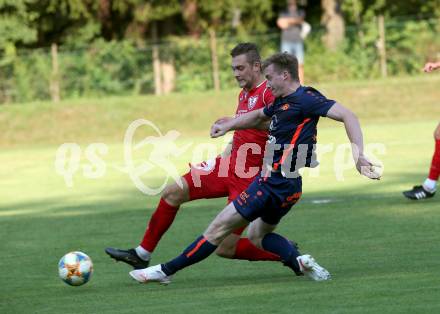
x,y
16,27
192,60
408,44
256,15
26,76
121,68
409,47
105,46
106,68
78,37
364,10
141,11
16,22
32,77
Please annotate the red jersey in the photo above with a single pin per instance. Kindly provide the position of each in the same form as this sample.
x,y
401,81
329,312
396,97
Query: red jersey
x,y
254,99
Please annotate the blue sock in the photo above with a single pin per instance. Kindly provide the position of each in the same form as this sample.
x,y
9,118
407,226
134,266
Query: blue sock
x,y
279,245
197,251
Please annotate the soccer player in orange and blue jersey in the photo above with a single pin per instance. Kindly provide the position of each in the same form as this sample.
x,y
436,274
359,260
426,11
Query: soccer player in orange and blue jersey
x,y
227,175
293,128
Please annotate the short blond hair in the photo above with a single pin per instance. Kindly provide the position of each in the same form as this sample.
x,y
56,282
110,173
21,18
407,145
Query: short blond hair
x,y
283,62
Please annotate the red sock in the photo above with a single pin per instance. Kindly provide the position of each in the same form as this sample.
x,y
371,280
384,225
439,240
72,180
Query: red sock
x,y
246,250
159,223
434,172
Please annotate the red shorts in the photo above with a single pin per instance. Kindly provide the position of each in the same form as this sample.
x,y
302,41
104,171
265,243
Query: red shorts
x,y
212,179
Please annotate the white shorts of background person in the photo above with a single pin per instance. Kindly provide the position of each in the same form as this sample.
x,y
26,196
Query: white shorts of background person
x,y
294,48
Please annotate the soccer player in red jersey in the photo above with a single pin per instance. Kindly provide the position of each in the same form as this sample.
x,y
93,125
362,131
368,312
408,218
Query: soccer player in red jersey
x,y
227,175
429,186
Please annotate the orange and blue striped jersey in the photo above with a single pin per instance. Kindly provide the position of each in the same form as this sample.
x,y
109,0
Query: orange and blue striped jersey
x,y
293,128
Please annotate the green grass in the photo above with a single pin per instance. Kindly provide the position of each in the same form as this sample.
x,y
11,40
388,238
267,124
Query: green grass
x,y
381,249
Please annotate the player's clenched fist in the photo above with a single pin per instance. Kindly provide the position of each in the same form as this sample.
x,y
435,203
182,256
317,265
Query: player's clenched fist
x,y
218,129
431,66
367,168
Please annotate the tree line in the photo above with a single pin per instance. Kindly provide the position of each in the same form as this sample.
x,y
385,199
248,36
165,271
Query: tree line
x,y
39,23
163,35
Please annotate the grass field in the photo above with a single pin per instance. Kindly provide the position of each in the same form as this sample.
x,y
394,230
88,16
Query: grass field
x,y
381,249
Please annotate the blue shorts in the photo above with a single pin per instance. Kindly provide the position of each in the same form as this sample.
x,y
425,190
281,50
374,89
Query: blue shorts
x,y
269,198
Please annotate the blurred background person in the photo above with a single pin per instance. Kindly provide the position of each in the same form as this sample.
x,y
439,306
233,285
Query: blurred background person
x,y
294,29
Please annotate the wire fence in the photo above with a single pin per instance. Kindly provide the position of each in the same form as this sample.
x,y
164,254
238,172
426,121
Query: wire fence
x,y
186,64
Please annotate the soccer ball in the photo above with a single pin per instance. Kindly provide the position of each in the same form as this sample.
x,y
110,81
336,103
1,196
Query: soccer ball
x,y
75,268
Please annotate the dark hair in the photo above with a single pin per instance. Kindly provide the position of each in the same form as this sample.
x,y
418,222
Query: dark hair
x,y
248,49
283,62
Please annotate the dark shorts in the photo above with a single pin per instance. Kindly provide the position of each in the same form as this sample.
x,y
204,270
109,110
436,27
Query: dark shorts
x,y
269,198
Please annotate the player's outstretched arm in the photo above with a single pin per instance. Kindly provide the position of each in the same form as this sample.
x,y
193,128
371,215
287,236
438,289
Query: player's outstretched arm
x,y
251,120
352,127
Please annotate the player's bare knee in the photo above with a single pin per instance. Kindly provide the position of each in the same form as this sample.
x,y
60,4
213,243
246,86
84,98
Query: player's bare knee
x,y
216,233
254,235
214,237
174,195
255,239
228,246
225,250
